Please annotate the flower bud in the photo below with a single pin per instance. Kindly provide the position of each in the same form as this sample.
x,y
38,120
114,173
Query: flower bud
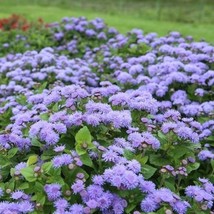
x,y
71,166
184,162
8,191
87,210
168,211
67,192
37,169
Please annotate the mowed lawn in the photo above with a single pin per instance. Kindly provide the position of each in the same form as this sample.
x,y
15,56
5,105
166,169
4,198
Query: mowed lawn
x,y
123,22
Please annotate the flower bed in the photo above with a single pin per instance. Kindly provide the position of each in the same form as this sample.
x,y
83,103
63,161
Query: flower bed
x,y
101,122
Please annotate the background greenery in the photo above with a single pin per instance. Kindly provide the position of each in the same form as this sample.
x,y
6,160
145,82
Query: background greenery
x,y
190,17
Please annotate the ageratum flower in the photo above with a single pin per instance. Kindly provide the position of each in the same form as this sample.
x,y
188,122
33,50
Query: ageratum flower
x,y
95,191
47,132
20,166
190,110
92,119
172,114
60,205
92,204
59,148
181,207
74,92
205,154
111,156
187,133
49,136
98,180
118,204
208,186
149,205
149,139
179,98
198,193
130,180
25,207
52,98
134,166
163,194
53,191
17,195
142,100
62,160
100,108
136,139
104,202
121,142
119,99
76,208
119,119
60,128
78,186
4,141
147,186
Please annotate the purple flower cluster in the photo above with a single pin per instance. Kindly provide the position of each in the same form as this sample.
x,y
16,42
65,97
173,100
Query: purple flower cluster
x,y
204,194
144,139
53,191
22,203
163,195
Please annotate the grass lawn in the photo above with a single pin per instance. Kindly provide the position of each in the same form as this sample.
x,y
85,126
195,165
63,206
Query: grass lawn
x,y
121,21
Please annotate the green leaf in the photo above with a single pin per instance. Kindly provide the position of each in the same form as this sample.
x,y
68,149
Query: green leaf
x,y
5,117
35,142
193,146
55,107
10,185
130,207
42,87
44,116
32,160
169,185
24,186
47,167
128,154
157,160
21,99
12,152
4,161
34,198
141,159
56,179
148,171
83,136
47,154
161,211
162,137
212,163
83,141
39,187
80,150
12,171
192,167
123,193
28,174
41,199
86,160
178,151
54,171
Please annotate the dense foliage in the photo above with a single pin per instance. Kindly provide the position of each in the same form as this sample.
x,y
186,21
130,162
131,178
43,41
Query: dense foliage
x,y
93,121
